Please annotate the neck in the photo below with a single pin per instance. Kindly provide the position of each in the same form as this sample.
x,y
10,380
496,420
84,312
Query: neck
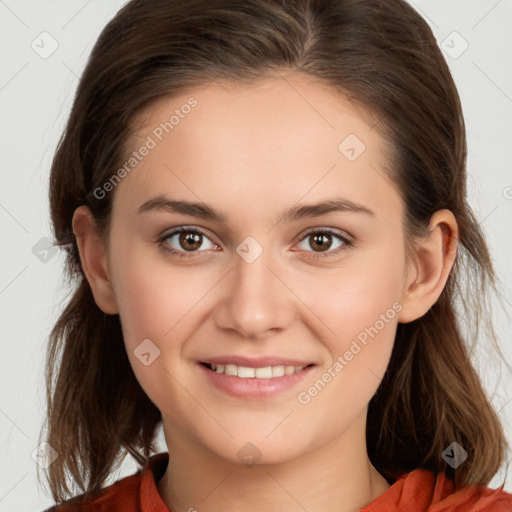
x,y
338,477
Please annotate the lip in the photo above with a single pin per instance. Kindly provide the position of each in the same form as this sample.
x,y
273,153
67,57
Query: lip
x,y
254,388
255,362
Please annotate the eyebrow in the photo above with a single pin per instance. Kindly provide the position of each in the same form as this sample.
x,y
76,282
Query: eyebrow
x,y
204,211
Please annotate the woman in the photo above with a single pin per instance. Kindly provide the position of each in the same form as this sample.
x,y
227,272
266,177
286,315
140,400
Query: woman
x,y
264,207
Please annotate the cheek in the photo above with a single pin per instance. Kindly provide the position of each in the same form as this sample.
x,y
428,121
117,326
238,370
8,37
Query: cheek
x,y
160,303
153,296
354,297
360,306
363,321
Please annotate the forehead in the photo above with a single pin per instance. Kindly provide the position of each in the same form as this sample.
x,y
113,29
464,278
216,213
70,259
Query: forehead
x,y
290,104
274,141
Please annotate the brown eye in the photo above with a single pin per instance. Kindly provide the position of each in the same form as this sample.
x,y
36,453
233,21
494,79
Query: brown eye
x,y
320,241
190,241
186,240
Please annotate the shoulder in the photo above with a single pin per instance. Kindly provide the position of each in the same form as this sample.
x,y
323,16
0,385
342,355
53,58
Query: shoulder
x,y
122,495
425,491
125,495
476,499
445,498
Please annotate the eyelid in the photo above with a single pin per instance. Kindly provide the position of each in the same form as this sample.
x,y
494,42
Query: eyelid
x,y
333,231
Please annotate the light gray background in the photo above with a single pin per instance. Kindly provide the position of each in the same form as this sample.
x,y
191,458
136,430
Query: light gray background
x,y
35,99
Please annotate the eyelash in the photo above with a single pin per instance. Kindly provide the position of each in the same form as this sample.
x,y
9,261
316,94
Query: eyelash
x,y
347,243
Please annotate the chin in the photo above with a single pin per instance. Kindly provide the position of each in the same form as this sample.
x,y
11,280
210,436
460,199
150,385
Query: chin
x,y
249,451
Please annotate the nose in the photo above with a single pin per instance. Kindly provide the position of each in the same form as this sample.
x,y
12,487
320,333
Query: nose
x,y
256,302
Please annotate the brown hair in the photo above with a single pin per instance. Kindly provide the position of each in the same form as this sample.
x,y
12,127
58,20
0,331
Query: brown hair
x,y
381,55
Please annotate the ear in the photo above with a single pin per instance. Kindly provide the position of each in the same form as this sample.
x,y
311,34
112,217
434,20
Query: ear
x,y
93,257
429,266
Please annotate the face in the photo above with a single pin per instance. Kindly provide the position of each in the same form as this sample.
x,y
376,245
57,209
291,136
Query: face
x,y
259,282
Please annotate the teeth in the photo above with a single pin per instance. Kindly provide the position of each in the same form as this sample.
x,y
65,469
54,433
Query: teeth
x,y
277,371
231,369
245,372
262,373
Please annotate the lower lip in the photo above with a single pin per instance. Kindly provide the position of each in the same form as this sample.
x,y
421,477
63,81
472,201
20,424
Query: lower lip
x,y
254,388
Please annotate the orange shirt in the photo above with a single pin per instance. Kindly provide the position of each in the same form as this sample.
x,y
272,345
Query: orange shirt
x,y
417,491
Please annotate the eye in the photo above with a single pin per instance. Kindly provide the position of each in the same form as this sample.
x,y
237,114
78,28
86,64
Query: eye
x,y
321,240
186,241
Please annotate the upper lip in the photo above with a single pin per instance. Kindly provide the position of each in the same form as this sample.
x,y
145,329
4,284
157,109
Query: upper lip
x,y
255,362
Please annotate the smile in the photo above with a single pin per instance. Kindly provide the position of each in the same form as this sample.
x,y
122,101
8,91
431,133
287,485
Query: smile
x,y
246,372
262,380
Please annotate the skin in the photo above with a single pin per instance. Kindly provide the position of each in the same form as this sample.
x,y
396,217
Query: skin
x,y
253,152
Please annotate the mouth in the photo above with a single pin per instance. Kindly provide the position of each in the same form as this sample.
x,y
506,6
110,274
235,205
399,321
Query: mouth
x,y
249,372
255,378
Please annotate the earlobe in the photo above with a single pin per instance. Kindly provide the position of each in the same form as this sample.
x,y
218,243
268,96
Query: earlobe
x,y
93,258
430,266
